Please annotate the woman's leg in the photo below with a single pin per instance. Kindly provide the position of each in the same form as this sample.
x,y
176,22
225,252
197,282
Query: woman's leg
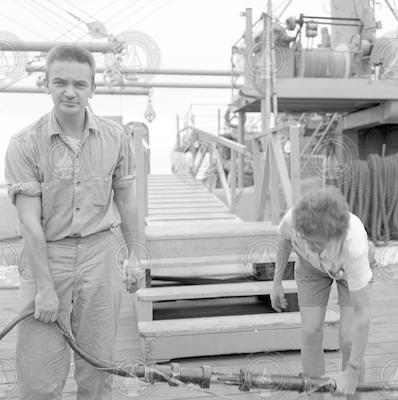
x,y
311,347
345,341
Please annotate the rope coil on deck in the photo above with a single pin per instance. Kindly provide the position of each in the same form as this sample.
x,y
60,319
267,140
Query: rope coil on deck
x,y
372,194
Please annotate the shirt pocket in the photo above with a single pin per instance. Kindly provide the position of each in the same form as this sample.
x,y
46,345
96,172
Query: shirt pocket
x,y
100,190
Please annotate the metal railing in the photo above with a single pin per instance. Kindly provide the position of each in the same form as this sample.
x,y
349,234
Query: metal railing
x,y
209,148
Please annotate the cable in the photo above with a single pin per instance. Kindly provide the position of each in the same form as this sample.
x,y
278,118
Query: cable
x,y
118,12
114,24
37,14
80,9
152,12
111,3
23,26
52,12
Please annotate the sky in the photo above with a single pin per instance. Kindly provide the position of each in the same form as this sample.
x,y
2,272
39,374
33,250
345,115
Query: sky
x,y
190,34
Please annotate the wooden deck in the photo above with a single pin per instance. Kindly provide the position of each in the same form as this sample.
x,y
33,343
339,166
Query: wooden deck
x,y
381,354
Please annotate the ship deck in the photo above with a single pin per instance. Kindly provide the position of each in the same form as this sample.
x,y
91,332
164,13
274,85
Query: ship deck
x,y
381,353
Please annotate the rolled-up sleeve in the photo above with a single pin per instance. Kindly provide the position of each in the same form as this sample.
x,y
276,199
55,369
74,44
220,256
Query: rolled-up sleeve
x,y
20,172
124,172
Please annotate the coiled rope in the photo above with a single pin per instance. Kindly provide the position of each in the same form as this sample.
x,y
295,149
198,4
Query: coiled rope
x,y
371,190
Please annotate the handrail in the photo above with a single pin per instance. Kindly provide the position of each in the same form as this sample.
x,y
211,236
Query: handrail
x,y
211,138
269,165
228,183
142,156
278,128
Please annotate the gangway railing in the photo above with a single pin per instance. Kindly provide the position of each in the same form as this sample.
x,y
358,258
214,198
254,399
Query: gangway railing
x,y
209,148
269,168
142,156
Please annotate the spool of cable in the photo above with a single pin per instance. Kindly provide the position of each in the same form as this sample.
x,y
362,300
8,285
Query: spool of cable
x,y
323,63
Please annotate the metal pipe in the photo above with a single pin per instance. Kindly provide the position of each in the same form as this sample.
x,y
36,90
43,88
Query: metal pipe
x,y
333,18
28,90
175,85
172,71
18,45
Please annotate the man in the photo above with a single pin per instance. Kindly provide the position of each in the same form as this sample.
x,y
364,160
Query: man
x,y
63,173
331,244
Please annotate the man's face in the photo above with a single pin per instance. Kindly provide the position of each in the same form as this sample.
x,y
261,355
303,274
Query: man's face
x,y
71,86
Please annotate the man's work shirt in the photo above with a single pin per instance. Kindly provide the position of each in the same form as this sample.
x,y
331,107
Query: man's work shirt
x,y
349,255
74,178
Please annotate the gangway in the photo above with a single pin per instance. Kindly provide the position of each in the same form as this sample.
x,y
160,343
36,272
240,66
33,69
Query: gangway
x,y
190,235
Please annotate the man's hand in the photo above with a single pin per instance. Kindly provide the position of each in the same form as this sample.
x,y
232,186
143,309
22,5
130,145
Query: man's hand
x,y
46,304
278,301
135,275
346,382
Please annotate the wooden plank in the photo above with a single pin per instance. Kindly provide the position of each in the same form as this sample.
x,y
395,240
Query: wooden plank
x,y
223,229
166,206
227,335
204,210
211,291
169,217
240,323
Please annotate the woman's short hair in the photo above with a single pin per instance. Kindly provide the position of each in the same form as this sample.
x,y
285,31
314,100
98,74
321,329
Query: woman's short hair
x,y
70,52
322,212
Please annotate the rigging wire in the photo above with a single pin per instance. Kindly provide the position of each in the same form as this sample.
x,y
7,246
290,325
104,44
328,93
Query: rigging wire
x,y
22,25
37,14
119,12
111,3
152,12
50,11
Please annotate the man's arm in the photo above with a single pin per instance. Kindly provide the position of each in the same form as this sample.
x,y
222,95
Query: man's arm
x,y
361,305
126,203
35,247
283,250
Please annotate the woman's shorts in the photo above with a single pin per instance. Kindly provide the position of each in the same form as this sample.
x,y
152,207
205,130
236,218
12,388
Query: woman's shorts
x,y
313,286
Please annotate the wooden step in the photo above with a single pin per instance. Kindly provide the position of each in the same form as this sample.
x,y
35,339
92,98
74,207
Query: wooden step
x,y
170,211
197,201
169,217
211,291
174,190
183,206
146,297
216,238
192,337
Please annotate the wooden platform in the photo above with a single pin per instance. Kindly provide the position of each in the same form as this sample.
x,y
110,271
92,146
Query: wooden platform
x,y
180,199
381,352
209,243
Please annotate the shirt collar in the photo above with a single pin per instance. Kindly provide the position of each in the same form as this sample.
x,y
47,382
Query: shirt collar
x,y
91,124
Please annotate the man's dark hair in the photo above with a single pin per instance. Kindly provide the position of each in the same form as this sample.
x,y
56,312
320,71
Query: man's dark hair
x,y
66,52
